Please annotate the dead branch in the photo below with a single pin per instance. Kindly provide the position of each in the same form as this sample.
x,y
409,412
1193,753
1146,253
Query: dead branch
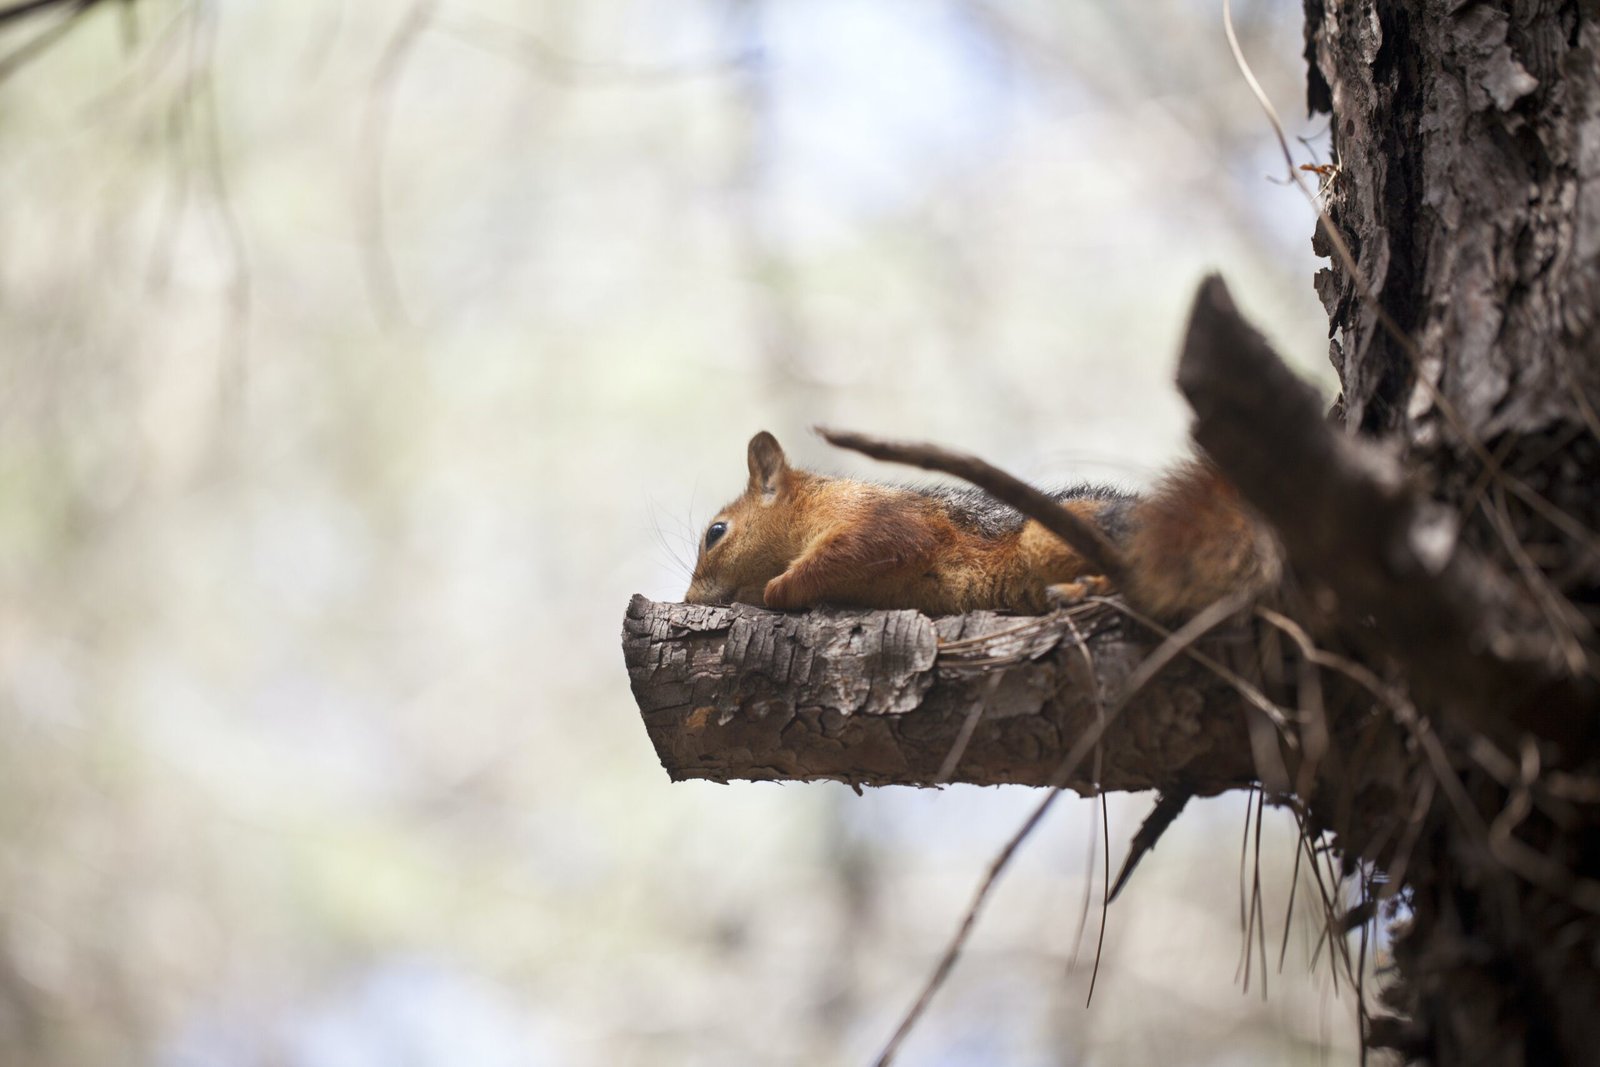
x,y
383,281
882,698
27,8
1169,805
1084,537
68,12
1348,519
952,951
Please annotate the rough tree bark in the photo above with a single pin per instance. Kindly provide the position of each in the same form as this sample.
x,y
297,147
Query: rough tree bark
x,y
1469,140
897,698
1423,688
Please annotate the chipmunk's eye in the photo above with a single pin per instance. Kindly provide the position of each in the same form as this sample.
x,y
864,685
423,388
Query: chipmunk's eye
x,y
714,533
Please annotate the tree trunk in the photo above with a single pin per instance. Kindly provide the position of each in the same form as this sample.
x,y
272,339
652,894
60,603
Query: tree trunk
x,y
1468,137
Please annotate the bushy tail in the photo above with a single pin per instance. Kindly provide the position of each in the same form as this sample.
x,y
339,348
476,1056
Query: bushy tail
x,y
1193,543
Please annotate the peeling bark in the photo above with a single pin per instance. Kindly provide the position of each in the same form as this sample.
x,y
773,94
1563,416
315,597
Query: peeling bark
x,y
882,698
1469,137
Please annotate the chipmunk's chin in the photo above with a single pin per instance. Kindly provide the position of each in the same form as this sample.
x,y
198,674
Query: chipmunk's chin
x,y
703,592
706,593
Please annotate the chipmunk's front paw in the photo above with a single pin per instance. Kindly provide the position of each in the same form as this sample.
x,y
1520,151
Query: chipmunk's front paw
x,y
1063,594
783,593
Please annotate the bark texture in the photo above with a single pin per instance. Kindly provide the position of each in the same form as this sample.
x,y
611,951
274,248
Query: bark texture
x,y
898,698
1469,141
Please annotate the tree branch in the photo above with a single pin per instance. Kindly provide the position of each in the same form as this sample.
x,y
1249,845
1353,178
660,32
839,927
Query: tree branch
x,y
1347,518
26,8
885,697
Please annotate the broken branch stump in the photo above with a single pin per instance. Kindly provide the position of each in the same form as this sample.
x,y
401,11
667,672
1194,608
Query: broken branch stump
x,y
893,697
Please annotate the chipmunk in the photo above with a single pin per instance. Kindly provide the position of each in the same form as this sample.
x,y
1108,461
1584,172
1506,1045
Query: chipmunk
x,y
795,539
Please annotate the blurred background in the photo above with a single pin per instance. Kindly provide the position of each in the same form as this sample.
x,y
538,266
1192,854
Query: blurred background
x,y
358,360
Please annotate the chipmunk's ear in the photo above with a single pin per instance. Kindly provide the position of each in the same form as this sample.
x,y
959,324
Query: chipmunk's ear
x,y
768,466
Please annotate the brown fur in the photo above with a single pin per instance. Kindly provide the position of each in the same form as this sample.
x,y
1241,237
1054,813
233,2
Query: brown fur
x,y
1194,544
795,539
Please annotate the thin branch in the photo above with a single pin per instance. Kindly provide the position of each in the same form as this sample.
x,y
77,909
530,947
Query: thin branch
x,y
1082,536
1258,907
1099,760
528,49
953,951
33,7
1105,897
1568,628
1288,909
175,200
1585,409
1242,970
1222,609
947,770
1105,822
236,344
33,48
383,284
1169,805
1170,649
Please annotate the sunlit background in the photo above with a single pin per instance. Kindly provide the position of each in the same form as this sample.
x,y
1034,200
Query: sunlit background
x,y
359,360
